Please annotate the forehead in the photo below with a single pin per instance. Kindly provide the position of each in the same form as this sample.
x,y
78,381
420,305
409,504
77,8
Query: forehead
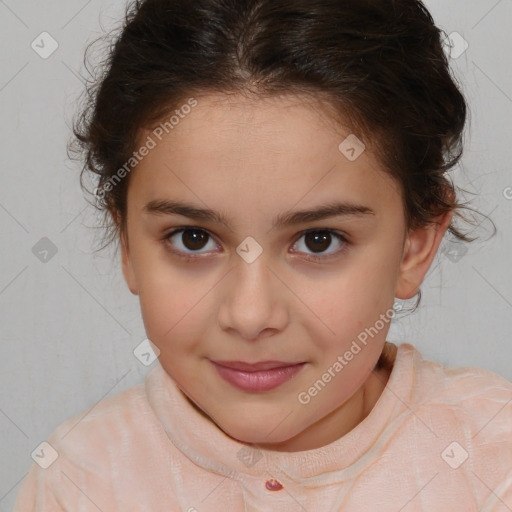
x,y
254,125
254,151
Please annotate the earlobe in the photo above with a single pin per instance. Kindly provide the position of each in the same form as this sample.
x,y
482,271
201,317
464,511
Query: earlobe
x,y
420,249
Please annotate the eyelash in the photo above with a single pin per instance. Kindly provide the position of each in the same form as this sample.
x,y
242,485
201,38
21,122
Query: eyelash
x,y
312,257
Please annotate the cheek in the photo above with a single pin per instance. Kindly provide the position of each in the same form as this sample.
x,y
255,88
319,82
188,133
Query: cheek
x,y
170,307
346,310
352,296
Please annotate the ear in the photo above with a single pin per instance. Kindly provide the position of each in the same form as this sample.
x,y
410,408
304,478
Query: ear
x,y
126,262
420,249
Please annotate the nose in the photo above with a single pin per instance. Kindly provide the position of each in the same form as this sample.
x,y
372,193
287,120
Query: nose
x,y
253,301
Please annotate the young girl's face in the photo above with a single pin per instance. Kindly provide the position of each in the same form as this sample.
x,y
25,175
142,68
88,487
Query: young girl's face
x,y
209,294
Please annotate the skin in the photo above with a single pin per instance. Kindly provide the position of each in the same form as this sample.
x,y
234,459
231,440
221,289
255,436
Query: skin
x,y
253,159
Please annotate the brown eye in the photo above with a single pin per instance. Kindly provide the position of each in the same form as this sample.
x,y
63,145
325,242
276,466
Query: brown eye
x,y
194,239
188,240
318,241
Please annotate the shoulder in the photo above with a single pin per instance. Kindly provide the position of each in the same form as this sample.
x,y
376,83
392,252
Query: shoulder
x,y
478,398
462,383
92,442
455,422
110,422
80,456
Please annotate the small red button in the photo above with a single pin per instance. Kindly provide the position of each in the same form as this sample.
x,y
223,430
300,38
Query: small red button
x,y
273,485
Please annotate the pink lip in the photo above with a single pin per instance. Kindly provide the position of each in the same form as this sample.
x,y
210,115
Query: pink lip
x,y
259,376
253,367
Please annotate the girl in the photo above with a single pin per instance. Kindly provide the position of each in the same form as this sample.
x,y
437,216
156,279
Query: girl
x,y
276,174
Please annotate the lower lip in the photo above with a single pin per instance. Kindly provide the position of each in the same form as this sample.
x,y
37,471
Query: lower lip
x,y
263,380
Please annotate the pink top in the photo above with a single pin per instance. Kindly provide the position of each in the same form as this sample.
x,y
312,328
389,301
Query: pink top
x,y
438,439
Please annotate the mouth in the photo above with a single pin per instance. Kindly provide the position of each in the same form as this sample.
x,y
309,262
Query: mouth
x,y
254,367
262,376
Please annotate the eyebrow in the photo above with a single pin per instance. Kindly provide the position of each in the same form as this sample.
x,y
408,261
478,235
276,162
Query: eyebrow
x,y
290,218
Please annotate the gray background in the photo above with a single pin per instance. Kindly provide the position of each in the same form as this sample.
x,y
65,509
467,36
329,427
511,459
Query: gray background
x,y
69,325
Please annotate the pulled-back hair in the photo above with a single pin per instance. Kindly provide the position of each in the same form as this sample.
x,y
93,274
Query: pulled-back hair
x,y
379,65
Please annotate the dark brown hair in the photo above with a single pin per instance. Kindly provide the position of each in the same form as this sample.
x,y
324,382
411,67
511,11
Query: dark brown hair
x,y
378,65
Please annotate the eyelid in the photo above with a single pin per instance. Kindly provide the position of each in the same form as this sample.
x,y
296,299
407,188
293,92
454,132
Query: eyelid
x,y
343,237
190,256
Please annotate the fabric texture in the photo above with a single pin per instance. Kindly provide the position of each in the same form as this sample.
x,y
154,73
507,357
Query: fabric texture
x,y
438,439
